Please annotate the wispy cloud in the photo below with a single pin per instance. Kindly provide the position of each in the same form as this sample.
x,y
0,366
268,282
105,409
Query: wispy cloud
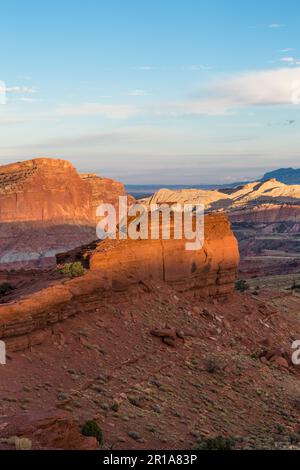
x,y
20,89
144,67
275,25
290,60
262,88
27,99
137,93
195,67
110,111
225,95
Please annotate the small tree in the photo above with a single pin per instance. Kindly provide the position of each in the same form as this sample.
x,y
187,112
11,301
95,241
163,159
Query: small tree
x,y
91,429
5,288
72,269
241,285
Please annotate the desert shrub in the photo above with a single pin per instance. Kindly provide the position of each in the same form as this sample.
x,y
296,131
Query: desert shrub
x,y
216,443
72,269
214,365
91,429
115,406
5,288
241,285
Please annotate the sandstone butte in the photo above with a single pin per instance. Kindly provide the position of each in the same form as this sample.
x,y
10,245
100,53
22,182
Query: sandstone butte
x,y
118,264
47,207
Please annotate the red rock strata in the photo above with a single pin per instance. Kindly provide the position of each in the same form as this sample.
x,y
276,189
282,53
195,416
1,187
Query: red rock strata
x,y
46,207
210,270
115,265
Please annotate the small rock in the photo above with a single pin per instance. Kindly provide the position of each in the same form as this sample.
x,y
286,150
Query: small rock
x,y
134,435
169,341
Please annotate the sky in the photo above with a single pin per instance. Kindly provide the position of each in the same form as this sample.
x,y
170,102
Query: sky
x,y
160,91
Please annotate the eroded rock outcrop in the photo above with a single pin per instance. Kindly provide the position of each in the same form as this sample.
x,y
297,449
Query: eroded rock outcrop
x,y
46,207
210,270
118,264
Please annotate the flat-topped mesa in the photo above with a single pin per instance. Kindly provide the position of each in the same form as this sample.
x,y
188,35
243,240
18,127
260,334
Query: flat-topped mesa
x,y
47,207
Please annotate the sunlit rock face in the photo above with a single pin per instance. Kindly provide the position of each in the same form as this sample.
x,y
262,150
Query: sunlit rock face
x,y
47,207
210,270
120,265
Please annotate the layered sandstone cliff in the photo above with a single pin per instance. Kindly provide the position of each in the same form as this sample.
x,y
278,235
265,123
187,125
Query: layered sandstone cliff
x,y
210,270
43,190
46,207
119,264
104,191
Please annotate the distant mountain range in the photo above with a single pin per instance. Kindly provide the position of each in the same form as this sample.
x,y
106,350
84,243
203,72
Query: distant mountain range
x,y
284,175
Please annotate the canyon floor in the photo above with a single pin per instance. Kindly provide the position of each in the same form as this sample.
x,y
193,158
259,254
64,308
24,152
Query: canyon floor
x,y
224,372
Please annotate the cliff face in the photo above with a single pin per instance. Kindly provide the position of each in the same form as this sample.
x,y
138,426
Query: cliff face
x,y
46,208
104,191
210,270
43,190
115,265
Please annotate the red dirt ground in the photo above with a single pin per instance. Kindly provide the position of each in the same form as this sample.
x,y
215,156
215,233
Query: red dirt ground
x,y
105,364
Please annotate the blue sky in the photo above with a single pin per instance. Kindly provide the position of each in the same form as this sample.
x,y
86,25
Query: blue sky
x,y
154,91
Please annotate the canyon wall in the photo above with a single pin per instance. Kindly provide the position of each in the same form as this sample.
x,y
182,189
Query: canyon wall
x,y
46,207
43,190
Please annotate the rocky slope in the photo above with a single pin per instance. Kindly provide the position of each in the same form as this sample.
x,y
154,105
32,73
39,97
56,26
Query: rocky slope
x,y
46,207
159,369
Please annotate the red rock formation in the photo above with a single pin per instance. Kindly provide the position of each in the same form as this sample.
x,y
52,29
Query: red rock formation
x,y
43,190
51,429
211,270
46,207
117,264
104,190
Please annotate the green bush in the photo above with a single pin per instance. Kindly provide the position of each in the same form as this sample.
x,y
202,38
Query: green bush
x,y
5,288
91,428
216,443
241,285
72,269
